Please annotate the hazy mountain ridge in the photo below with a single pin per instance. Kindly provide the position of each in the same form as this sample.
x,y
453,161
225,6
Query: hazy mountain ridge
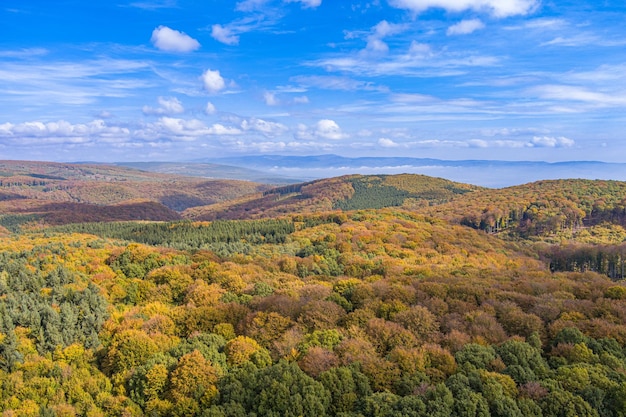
x,y
209,171
487,173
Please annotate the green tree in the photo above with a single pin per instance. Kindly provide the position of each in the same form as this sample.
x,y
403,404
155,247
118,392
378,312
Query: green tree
x,y
347,386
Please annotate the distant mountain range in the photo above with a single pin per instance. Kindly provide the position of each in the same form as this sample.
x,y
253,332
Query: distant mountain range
x,y
488,173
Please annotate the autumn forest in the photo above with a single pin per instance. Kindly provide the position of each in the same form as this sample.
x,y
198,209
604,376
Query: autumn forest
x,y
128,293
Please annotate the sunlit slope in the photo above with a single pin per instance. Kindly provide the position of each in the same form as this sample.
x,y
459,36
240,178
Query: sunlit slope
x,y
353,192
539,208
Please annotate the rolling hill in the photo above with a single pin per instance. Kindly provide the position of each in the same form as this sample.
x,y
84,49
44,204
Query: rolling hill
x,y
356,295
342,193
61,193
539,208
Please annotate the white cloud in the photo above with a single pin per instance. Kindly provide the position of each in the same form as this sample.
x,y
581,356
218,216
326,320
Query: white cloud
x,y
36,132
545,23
332,82
382,30
270,129
497,8
229,33
250,5
329,129
387,143
219,129
552,142
213,81
420,50
270,99
412,98
307,3
578,40
259,147
418,60
176,129
301,100
323,129
24,53
49,82
261,15
181,128
377,45
535,142
224,34
155,4
167,105
210,108
575,93
171,40
465,27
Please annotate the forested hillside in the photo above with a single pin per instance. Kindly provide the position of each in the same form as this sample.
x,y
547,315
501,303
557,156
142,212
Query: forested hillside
x,y
360,313
353,296
52,193
540,208
351,192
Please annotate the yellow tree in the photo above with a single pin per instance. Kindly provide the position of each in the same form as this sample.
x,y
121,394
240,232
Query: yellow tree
x,y
194,378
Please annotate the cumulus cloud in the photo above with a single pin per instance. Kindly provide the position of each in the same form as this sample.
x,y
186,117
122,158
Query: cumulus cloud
x,y
465,27
270,99
29,133
171,40
104,114
535,142
420,50
224,34
210,108
329,129
167,105
181,128
382,30
387,143
552,142
270,129
497,8
219,129
171,128
213,81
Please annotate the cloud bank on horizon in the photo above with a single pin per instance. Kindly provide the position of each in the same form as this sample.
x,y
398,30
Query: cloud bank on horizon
x,y
181,79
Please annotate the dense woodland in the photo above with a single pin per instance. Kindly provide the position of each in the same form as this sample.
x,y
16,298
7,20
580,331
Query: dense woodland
x,y
354,310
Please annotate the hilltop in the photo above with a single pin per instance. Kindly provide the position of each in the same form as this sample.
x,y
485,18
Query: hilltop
x,y
351,192
539,208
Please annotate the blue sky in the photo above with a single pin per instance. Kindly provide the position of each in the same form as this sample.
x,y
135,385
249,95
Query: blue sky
x,y
137,80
